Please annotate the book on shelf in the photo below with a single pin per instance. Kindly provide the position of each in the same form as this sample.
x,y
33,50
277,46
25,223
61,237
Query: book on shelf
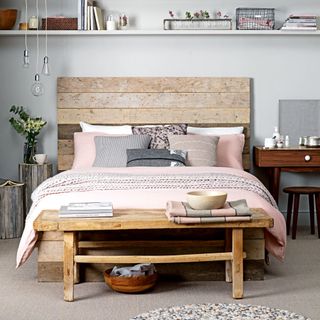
x,y
300,23
86,210
90,16
98,18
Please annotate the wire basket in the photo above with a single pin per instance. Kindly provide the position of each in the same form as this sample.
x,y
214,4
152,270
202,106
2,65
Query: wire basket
x,y
255,18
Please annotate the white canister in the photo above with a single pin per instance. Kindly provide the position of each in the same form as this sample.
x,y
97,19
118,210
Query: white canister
x,y
111,23
33,23
269,143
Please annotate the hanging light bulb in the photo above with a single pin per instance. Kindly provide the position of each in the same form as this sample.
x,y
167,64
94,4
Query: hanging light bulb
x,y
45,68
26,60
37,87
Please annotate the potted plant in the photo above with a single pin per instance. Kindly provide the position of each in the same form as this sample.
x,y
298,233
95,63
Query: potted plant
x,y
28,127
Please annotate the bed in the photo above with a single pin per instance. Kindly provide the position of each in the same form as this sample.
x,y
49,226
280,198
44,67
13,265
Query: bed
x,y
198,102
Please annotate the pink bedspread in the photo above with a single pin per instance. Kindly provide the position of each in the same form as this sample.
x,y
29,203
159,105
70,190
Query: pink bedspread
x,y
150,197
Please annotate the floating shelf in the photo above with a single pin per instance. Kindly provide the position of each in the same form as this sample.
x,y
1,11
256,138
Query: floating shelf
x,y
157,32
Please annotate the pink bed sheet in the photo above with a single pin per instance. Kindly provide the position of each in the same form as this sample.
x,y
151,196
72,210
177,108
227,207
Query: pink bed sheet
x,y
275,237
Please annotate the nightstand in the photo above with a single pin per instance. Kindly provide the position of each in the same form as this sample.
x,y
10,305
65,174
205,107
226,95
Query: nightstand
x,y
12,213
295,159
32,175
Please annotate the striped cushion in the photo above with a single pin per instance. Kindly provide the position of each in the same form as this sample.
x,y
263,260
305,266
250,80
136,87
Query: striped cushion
x,y
201,150
112,151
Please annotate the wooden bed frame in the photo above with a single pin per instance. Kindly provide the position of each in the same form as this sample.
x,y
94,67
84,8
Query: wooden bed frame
x,y
130,100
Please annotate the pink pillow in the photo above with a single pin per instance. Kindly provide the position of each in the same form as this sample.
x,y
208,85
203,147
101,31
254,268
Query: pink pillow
x,y
84,149
229,151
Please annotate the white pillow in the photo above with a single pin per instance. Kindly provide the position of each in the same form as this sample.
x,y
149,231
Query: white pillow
x,y
215,130
125,130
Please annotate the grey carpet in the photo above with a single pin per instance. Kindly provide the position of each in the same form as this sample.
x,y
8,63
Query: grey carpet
x,y
293,285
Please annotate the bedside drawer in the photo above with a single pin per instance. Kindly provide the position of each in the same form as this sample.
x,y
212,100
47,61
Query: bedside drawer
x,y
287,157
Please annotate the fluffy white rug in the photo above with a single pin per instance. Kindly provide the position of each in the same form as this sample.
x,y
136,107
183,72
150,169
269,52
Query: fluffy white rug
x,y
219,311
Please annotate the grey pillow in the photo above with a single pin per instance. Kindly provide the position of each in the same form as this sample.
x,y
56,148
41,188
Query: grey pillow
x,y
111,151
159,134
155,158
201,149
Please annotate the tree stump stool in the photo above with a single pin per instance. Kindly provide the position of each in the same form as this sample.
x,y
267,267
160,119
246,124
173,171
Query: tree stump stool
x,y
12,213
32,175
294,200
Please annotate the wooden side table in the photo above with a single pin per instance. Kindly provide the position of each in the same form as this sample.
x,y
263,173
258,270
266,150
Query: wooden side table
x,y
296,159
12,214
32,175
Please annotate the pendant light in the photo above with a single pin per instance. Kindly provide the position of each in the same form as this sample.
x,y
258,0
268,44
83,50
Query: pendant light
x,y
45,68
37,87
26,60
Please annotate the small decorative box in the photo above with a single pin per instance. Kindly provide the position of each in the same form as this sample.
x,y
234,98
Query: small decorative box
x,y
197,24
60,23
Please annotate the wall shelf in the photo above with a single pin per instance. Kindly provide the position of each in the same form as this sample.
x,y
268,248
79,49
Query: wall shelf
x,y
158,32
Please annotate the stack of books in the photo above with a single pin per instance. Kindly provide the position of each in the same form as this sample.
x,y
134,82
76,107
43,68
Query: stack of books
x,y
86,210
90,16
300,23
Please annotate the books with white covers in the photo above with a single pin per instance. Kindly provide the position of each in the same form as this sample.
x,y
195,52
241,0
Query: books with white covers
x,y
89,206
86,210
98,18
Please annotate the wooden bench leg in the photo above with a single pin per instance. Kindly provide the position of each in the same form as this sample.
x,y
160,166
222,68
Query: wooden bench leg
x,y
237,263
69,239
289,212
228,248
295,215
317,196
311,208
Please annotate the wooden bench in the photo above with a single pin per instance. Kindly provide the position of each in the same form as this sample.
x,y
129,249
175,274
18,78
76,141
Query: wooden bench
x,y
142,219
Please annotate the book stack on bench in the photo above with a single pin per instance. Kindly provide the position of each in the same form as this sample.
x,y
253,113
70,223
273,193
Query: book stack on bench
x,y
86,210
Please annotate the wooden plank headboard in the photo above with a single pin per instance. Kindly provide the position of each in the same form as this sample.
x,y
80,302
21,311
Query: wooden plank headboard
x,y
144,100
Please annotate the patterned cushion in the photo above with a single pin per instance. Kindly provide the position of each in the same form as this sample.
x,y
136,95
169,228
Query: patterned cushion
x,y
111,151
159,134
155,158
201,149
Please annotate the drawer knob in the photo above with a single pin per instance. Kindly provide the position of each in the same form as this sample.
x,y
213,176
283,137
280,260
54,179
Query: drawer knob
x,y
307,158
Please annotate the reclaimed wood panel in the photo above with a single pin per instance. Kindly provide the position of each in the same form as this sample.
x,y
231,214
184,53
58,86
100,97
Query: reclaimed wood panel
x,y
198,101
153,84
152,100
12,213
159,115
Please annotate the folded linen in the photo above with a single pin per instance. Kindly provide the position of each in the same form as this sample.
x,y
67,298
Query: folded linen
x,y
142,269
181,212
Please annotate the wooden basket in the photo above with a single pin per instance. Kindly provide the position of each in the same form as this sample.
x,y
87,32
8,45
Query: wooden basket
x,y
130,284
60,23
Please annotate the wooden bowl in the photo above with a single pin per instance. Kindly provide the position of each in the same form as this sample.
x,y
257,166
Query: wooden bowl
x,y
8,18
206,200
130,284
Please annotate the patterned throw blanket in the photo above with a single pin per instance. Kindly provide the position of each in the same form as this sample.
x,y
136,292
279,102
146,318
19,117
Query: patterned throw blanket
x,y
181,213
101,181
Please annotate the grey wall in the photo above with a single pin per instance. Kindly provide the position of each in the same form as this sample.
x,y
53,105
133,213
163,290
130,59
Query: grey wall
x,y
281,67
